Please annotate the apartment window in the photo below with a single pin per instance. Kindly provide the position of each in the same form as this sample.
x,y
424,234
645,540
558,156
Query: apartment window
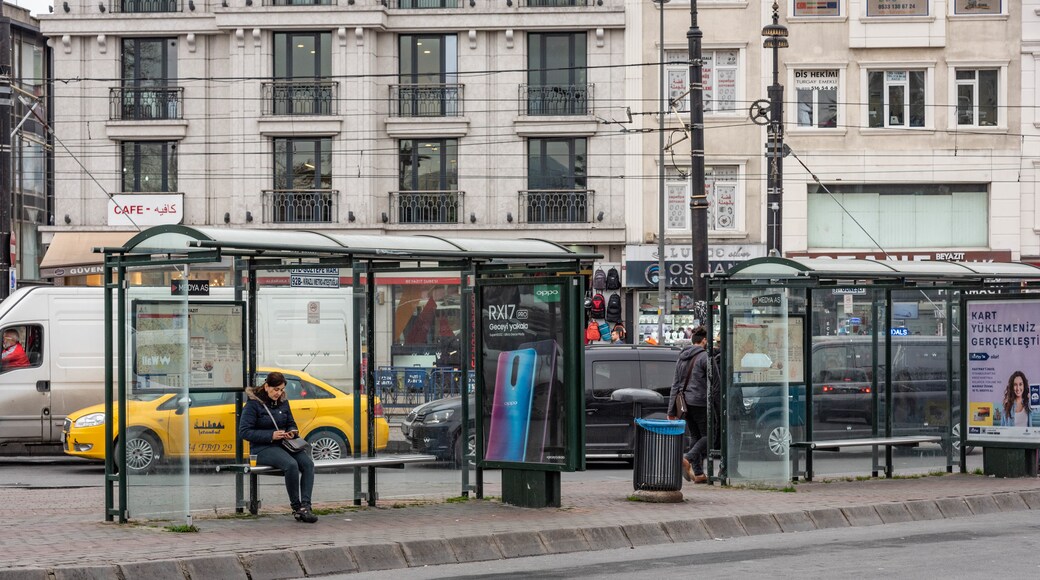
x,y
719,73
302,62
557,81
898,216
722,186
149,166
978,94
428,75
816,92
896,98
557,182
303,163
429,181
149,68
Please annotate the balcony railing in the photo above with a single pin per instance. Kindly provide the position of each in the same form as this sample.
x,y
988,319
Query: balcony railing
x,y
298,97
138,6
568,206
553,3
426,207
426,100
299,3
421,4
541,100
145,103
297,206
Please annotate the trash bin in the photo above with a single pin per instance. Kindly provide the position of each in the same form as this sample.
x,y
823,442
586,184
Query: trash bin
x,y
658,455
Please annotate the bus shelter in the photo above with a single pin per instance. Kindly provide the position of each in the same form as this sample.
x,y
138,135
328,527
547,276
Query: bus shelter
x,y
194,316
845,367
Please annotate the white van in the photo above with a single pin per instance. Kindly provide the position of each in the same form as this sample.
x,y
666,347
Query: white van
x,y
62,332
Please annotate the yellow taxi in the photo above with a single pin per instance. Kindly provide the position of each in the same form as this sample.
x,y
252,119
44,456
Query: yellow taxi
x,y
323,413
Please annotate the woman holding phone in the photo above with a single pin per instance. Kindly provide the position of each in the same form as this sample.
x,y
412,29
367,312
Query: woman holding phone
x,y
266,421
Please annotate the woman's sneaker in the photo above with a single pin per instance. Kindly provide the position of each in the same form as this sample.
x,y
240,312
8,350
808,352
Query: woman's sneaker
x,y
305,515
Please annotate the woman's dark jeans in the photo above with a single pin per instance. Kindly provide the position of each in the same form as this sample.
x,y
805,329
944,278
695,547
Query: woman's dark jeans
x,y
299,472
697,422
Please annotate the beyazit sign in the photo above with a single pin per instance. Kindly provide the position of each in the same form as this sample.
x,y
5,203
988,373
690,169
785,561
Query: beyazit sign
x,y
641,265
143,209
914,256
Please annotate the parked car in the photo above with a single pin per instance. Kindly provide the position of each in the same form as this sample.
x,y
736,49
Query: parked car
x,y
435,428
324,414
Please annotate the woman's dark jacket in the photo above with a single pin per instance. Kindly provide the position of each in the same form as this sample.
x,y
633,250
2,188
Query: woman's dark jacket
x,y
256,426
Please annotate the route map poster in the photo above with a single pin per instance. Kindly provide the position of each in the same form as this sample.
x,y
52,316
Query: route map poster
x,y
769,350
1003,398
199,346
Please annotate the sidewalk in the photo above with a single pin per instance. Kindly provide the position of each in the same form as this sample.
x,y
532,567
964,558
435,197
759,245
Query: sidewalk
x,y
61,534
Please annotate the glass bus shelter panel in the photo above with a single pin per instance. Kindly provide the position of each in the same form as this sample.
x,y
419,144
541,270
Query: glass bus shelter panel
x,y
765,397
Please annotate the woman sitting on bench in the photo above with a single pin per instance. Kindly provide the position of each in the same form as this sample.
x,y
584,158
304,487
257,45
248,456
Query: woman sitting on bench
x,y
266,421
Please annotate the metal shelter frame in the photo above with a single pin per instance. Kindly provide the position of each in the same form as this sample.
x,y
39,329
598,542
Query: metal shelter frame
x,y
768,278
253,250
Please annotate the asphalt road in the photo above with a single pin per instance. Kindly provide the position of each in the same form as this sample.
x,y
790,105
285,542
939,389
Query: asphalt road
x,y
999,545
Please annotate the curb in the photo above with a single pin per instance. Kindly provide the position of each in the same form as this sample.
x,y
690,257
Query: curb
x,y
324,560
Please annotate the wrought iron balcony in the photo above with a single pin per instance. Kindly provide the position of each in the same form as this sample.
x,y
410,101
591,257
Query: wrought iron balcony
x,y
544,100
426,207
145,103
426,100
300,97
421,4
139,6
567,206
553,3
297,206
299,3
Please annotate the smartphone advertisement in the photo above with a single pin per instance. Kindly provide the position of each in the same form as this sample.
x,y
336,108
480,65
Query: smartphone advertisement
x,y
523,399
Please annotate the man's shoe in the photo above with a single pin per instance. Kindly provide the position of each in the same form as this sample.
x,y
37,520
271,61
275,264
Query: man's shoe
x,y
700,478
305,515
687,470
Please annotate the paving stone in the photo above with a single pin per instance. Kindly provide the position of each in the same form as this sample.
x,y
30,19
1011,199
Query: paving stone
x,y
272,565
723,527
953,507
759,524
1032,499
893,513
157,570
924,509
226,567
862,515
982,504
428,553
519,544
794,522
646,534
86,573
371,557
829,518
686,531
606,538
562,541
326,560
24,574
1009,502
475,548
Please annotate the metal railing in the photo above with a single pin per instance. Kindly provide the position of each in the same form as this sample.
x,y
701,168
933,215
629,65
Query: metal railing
x,y
139,6
540,100
553,3
294,206
299,2
421,4
567,206
426,100
400,388
296,97
426,207
145,103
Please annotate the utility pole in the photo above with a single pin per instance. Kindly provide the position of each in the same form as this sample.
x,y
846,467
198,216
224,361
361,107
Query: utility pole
x,y
6,197
775,35
698,197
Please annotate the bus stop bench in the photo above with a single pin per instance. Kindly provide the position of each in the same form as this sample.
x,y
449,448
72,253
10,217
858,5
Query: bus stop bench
x,y
394,461
836,445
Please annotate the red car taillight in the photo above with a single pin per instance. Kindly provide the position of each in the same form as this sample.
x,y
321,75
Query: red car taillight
x,y
377,409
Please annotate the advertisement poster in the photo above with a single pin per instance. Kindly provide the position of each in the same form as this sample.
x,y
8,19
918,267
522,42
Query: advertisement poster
x,y
1003,398
759,354
897,7
817,8
523,399
213,356
977,7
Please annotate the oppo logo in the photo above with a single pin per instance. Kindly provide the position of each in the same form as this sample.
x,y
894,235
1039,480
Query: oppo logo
x,y
546,292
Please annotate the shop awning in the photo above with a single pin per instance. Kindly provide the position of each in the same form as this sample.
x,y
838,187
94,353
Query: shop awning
x,y
72,253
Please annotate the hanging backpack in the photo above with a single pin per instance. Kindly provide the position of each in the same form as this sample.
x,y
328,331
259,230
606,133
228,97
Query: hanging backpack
x,y
599,279
591,332
604,331
599,306
613,281
613,312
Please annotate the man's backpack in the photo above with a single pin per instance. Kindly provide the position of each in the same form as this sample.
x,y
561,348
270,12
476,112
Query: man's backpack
x,y
599,306
599,279
613,281
592,332
613,312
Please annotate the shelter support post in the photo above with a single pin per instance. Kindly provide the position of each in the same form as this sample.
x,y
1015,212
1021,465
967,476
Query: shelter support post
x,y
529,488
1009,462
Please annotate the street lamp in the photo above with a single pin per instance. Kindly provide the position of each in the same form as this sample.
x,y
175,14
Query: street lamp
x,y
775,35
662,274
698,199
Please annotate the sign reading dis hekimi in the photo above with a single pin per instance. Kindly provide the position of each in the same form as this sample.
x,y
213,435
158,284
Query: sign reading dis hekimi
x,y
144,209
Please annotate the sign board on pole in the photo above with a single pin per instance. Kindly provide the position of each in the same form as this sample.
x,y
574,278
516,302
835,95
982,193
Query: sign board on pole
x,y
313,312
848,303
314,278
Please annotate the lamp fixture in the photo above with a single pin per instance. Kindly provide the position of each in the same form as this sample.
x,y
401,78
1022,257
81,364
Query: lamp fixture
x,y
385,218
350,216
249,2
509,216
101,7
472,218
599,217
50,9
191,5
249,217
65,6
68,220
227,217
223,3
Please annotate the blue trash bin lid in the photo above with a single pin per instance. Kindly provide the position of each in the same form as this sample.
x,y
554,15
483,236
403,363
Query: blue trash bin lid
x,y
662,426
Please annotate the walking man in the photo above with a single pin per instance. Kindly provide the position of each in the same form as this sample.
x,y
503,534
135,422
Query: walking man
x,y
691,379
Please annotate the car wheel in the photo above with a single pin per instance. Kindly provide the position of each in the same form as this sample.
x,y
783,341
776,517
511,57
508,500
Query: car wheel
x,y
956,440
327,445
143,453
777,440
471,449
